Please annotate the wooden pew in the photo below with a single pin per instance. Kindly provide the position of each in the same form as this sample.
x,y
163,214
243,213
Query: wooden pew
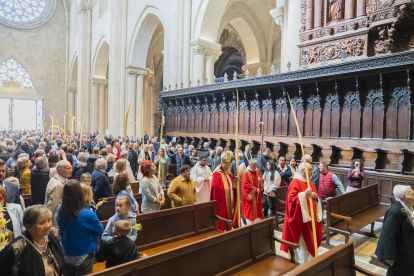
x,y
111,179
135,187
172,172
168,229
280,205
107,209
246,251
348,213
340,260
27,200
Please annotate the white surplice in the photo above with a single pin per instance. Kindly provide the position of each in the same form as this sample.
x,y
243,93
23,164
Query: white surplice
x,y
198,173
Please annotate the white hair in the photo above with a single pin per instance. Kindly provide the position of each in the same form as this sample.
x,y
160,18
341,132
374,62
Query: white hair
x,y
205,144
308,158
400,191
82,156
219,148
191,146
302,166
60,164
123,154
100,164
212,151
247,146
252,161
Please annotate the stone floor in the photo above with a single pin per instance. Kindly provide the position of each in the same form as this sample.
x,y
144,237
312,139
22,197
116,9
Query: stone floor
x,y
364,247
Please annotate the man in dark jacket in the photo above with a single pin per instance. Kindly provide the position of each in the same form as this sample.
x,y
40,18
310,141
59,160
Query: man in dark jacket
x,y
7,154
395,247
12,189
182,160
284,171
133,158
90,162
206,149
69,156
28,147
265,158
39,178
79,167
48,145
247,155
100,181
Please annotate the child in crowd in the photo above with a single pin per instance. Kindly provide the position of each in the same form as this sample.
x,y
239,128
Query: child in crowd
x,y
88,195
85,178
123,212
120,249
23,164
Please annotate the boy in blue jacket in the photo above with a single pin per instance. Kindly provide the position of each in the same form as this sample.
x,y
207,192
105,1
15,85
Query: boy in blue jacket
x,y
123,205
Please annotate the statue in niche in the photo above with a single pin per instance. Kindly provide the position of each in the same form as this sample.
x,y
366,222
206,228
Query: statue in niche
x,y
11,83
336,10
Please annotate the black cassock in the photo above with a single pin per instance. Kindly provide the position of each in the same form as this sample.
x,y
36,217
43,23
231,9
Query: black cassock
x,y
396,242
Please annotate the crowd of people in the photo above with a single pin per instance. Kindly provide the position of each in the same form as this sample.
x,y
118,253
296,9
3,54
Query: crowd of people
x,y
68,177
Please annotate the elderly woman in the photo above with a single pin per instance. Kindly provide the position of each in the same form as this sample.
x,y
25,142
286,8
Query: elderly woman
x,y
13,213
395,247
152,192
85,178
38,251
355,175
161,163
24,164
144,155
79,229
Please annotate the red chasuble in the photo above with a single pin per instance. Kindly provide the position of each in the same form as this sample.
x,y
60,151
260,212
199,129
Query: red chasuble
x,y
294,225
251,196
222,191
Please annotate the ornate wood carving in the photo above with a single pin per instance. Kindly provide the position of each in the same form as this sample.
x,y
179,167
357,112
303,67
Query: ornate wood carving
x,y
313,115
214,119
206,116
223,115
281,116
190,116
244,114
268,114
232,113
255,114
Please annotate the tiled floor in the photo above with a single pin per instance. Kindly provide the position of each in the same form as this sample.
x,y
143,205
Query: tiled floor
x,y
364,247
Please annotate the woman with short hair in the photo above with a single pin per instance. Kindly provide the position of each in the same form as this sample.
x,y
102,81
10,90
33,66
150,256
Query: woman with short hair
x,y
152,192
355,175
23,164
161,163
120,188
120,167
110,160
38,251
79,229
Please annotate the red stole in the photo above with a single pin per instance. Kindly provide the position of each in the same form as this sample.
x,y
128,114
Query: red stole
x,y
251,196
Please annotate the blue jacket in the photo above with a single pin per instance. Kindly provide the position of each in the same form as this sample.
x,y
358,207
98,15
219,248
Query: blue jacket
x,y
79,235
100,185
108,233
16,216
156,147
128,194
13,195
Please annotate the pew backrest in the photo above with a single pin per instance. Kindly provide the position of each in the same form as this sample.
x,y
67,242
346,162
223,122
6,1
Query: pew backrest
x,y
135,187
353,203
223,254
280,199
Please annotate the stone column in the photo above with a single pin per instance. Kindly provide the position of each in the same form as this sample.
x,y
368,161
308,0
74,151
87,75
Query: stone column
x,y
82,64
278,14
131,100
174,34
115,68
318,14
201,69
71,100
140,103
94,106
350,9
361,6
292,35
102,108
122,90
186,42
309,14
212,56
98,104
198,65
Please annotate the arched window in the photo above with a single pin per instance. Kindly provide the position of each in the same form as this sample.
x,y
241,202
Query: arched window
x,y
26,13
11,70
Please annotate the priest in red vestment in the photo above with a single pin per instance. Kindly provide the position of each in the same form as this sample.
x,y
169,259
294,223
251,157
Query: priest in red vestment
x,y
222,191
298,225
252,188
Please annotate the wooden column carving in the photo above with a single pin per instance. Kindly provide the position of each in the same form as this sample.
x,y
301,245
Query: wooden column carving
x,y
281,116
176,116
183,116
268,114
255,114
244,115
206,116
232,114
297,104
313,116
198,116
373,114
309,14
318,14
331,116
223,115
214,116
190,116
350,9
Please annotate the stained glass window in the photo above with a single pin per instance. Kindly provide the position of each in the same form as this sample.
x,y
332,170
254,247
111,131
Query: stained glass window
x,y
25,13
11,68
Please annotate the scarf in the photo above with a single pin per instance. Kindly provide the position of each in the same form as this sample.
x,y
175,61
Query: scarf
x,y
409,211
304,204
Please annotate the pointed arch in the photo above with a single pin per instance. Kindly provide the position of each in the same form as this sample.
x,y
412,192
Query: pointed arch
x,y
101,59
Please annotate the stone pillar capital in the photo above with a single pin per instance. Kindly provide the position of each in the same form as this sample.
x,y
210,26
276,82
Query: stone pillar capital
x,y
136,70
83,7
98,81
72,89
278,15
204,47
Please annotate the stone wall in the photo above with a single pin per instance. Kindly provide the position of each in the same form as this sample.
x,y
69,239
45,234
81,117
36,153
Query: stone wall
x,y
41,51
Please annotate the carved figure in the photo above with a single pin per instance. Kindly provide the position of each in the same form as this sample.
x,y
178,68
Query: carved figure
x,y
336,9
11,83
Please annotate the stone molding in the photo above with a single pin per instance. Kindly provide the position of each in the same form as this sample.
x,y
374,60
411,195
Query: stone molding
x,y
278,15
99,81
384,63
136,70
83,7
206,48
